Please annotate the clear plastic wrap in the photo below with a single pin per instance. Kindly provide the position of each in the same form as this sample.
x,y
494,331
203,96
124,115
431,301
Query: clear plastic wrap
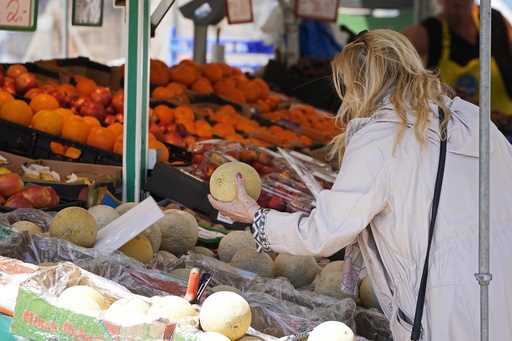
x,y
373,325
38,217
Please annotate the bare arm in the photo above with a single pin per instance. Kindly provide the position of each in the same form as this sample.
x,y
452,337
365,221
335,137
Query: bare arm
x,y
419,39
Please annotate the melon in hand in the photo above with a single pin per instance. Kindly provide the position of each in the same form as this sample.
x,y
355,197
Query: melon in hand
x,y
223,181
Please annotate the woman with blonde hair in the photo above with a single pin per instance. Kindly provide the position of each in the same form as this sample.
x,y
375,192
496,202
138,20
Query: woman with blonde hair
x,y
410,166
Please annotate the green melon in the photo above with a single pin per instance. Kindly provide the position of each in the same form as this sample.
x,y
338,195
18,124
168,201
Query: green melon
x,y
300,270
234,241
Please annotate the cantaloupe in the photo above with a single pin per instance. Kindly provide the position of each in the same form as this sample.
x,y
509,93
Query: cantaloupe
x,y
200,250
179,232
367,296
125,207
83,299
234,241
76,225
222,287
154,235
251,260
139,248
103,215
226,313
300,270
332,331
212,336
223,181
128,312
28,226
163,260
328,281
171,308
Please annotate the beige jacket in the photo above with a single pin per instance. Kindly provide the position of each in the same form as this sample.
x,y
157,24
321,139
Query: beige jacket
x,y
392,193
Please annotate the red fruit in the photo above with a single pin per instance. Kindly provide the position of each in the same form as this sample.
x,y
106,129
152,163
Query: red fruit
x,y
118,101
2,200
175,139
25,82
41,197
1,79
10,85
156,130
101,95
18,201
77,103
120,118
110,119
277,203
10,183
90,108
33,93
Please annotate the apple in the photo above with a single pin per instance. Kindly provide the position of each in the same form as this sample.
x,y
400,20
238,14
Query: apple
x,y
101,95
10,183
118,101
90,108
25,82
18,201
41,197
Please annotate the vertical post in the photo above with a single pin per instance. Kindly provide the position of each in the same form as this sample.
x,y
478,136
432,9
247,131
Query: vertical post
x,y
200,43
65,29
136,99
484,276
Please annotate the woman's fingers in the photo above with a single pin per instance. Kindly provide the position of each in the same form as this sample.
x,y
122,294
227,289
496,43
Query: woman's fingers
x,y
240,187
219,205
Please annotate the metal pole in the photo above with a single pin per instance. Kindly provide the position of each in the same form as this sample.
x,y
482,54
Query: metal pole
x,y
136,99
484,276
200,43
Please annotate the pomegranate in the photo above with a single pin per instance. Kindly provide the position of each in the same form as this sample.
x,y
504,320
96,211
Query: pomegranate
x,y
90,108
101,95
25,82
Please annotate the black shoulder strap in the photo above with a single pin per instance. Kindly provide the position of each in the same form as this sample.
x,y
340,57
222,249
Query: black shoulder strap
x,y
416,329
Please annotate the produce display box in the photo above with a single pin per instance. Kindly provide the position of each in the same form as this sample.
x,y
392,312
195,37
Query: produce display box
x,y
32,143
38,317
102,176
41,72
102,74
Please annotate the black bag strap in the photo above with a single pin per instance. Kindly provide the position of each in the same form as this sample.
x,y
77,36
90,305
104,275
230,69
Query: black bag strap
x,y
416,328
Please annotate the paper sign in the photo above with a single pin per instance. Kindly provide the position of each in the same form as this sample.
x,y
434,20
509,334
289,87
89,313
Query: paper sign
x,y
326,10
224,219
18,15
87,13
128,226
239,11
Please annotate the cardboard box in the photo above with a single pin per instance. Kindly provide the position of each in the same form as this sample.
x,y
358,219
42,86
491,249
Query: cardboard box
x,y
38,317
103,176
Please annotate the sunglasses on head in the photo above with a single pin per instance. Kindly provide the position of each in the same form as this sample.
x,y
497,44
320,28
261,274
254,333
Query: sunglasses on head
x,y
359,38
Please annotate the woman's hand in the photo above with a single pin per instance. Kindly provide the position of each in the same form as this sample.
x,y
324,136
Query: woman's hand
x,y
242,209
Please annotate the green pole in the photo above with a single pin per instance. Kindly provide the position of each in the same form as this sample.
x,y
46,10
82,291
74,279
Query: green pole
x,y
136,89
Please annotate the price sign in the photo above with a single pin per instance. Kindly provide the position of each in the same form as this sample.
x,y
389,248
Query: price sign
x,y
326,10
18,15
239,11
87,13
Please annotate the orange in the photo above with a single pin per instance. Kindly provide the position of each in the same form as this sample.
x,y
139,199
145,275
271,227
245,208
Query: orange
x,y
203,129
5,97
117,129
177,89
223,130
235,138
101,138
75,129
118,145
44,102
73,153
93,122
184,73
65,113
163,152
251,90
202,86
16,70
158,72
212,71
165,114
48,121
162,93
85,86
57,148
183,114
16,111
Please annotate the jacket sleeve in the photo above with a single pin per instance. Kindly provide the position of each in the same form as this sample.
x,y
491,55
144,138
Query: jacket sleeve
x,y
341,213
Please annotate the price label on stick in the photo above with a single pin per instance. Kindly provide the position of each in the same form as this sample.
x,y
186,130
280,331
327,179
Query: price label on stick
x,y
239,11
18,15
326,10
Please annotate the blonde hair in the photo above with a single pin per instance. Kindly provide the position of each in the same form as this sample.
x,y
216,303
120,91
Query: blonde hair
x,y
383,63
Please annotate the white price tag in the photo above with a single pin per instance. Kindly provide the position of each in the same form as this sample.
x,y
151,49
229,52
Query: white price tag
x,y
239,11
224,219
18,14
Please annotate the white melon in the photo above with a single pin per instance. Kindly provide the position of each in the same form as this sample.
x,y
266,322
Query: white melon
x,y
219,288
226,313
128,312
213,336
83,299
332,331
171,308
28,226
103,215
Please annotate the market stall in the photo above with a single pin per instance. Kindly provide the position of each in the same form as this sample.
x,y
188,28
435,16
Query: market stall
x,y
105,227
